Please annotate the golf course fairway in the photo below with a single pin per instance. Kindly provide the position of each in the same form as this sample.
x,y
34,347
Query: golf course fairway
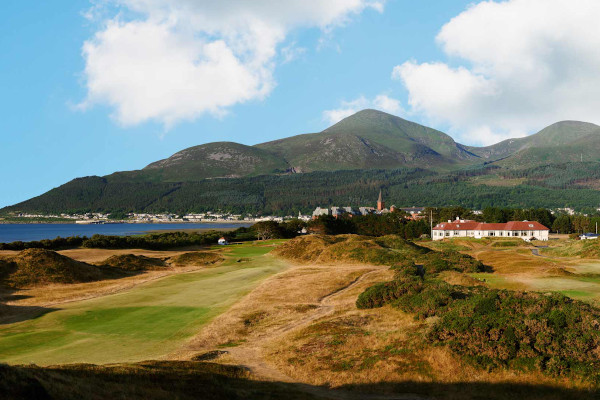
x,y
145,322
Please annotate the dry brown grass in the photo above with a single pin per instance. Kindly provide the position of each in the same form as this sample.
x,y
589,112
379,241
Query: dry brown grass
x,y
281,300
49,294
131,262
37,267
54,294
373,347
93,256
197,258
298,326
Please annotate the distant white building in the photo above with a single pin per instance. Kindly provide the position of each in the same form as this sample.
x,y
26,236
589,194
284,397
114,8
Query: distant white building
x,y
337,211
366,210
320,211
223,242
351,210
526,230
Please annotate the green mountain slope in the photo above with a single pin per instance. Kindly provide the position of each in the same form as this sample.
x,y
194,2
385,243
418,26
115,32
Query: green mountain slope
x,y
370,139
554,136
586,148
219,159
288,194
345,165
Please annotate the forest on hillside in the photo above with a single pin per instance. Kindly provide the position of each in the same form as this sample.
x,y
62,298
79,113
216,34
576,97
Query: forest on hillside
x,y
567,185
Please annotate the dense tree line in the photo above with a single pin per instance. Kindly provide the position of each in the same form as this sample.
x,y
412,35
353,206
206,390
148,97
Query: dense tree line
x,y
553,187
49,244
576,223
558,176
371,225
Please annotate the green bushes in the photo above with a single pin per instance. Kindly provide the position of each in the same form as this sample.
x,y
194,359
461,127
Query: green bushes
x,y
161,241
155,241
552,334
371,225
449,260
491,329
48,244
388,292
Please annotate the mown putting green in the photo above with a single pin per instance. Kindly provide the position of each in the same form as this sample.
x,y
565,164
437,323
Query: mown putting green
x,y
146,322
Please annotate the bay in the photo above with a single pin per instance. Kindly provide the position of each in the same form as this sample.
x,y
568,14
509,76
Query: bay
x,y
28,232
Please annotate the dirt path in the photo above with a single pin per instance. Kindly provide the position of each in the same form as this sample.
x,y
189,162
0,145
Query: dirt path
x,y
251,354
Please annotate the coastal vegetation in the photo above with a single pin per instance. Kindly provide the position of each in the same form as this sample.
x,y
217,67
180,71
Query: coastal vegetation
x,y
378,314
491,328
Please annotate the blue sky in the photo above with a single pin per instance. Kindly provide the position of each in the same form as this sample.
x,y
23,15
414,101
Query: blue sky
x,y
70,108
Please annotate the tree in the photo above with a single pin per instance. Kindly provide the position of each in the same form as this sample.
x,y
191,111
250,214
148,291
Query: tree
x,y
267,230
562,224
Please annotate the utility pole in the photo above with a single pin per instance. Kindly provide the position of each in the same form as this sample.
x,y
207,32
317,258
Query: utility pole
x,y
431,223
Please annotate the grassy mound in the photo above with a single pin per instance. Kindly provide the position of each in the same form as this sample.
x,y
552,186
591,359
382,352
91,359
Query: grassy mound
x,y
131,262
386,250
196,258
389,250
38,267
576,248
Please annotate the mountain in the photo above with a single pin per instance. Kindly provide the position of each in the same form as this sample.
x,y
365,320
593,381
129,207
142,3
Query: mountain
x,y
212,160
346,163
370,139
551,139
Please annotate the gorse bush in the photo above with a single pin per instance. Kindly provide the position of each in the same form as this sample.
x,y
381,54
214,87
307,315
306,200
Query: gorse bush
x,y
132,262
552,334
48,244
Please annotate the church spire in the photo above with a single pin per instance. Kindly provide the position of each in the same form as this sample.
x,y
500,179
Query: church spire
x,y
380,202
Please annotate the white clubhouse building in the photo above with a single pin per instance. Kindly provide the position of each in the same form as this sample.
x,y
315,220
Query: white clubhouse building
x,y
526,230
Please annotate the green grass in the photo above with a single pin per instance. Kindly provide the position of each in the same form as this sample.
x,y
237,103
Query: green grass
x,y
495,281
577,294
146,322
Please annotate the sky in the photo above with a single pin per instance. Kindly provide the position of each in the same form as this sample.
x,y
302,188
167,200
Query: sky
x,y
90,87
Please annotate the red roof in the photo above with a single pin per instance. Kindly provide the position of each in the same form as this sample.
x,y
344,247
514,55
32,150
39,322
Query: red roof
x,y
478,226
465,225
525,226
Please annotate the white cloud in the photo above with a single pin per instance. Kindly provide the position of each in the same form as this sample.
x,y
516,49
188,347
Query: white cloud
x,y
168,61
381,102
527,63
291,52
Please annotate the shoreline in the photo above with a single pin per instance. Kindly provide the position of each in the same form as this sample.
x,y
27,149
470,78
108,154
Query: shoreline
x,y
124,222
40,231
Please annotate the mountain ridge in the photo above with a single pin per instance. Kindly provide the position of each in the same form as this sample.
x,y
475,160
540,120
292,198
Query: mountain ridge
x,y
365,141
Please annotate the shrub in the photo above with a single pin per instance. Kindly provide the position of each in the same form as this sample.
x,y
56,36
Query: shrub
x,y
552,334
